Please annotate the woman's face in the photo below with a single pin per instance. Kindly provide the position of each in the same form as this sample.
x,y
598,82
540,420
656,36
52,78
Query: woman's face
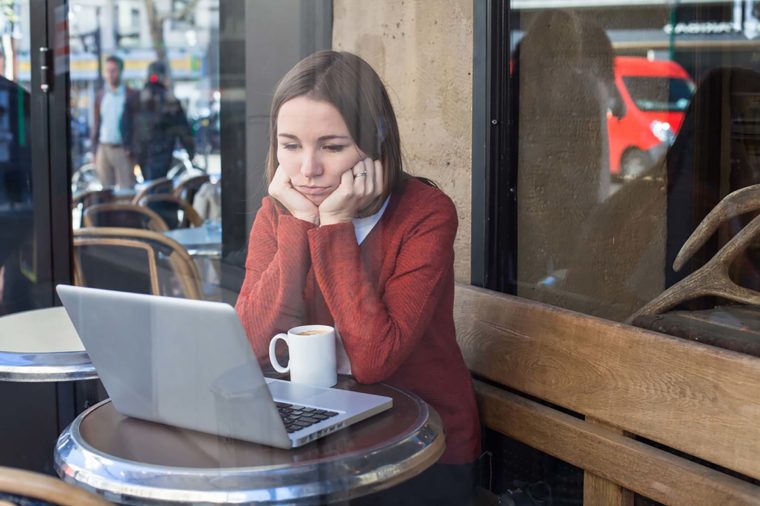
x,y
314,147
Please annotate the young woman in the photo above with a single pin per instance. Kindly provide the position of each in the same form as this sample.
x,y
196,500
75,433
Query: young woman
x,y
347,238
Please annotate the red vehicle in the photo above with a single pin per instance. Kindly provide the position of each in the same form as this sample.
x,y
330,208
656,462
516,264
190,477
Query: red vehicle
x,y
656,95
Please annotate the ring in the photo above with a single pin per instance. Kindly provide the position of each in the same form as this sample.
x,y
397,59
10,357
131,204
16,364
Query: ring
x,y
361,174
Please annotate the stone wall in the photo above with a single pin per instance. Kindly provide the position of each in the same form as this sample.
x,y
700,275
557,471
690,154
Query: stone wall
x,y
422,49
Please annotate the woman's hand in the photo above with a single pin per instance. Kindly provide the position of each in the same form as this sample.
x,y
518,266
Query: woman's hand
x,y
358,187
281,189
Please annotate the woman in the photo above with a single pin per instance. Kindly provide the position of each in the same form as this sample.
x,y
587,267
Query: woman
x,y
346,238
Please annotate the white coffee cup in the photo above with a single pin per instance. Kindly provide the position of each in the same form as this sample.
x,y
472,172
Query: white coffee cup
x,y
312,355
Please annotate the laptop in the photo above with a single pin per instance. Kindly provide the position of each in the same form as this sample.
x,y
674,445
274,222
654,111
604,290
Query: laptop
x,y
188,363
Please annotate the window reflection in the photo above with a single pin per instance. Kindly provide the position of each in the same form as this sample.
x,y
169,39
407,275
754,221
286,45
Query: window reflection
x,y
145,149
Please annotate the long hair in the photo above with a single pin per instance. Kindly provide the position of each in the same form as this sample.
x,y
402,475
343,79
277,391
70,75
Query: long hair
x,y
348,83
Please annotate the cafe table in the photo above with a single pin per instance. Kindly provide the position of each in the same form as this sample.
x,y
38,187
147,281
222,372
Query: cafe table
x,y
203,241
130,461
42,346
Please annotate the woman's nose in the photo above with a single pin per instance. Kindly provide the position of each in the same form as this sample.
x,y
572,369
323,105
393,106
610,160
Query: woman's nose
x,y
311,165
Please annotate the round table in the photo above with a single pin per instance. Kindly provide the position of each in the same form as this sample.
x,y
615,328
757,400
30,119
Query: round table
x,y
132,461
42,345
203,241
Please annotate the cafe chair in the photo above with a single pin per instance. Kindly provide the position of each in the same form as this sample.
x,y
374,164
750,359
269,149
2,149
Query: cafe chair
x,y
160,185
188,188
18,487
175,212
134,260
123,215
92,197
89,198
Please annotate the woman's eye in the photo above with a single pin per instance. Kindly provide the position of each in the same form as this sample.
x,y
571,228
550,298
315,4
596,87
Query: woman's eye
x,y
290,147
334,148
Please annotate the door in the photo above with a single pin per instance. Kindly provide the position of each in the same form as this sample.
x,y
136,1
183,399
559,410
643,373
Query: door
x,y
34,216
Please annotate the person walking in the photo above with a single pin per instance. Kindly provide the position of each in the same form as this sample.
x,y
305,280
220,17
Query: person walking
x,y
111,135
159,122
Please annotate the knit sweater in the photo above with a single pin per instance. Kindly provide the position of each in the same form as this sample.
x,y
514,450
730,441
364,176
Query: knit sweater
x,y
391,299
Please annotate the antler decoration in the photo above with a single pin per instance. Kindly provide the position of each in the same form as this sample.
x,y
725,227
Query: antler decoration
x,y
712,279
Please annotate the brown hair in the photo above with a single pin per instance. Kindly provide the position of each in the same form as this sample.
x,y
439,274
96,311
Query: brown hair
x,y
349,83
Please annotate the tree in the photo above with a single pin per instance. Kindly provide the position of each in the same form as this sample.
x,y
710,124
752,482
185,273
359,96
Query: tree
x,y
178,10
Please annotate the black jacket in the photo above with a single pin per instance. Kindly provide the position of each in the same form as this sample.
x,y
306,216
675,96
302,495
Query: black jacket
x,y
158,123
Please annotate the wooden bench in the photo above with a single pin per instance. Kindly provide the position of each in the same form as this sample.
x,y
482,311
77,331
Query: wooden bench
x,y
624,382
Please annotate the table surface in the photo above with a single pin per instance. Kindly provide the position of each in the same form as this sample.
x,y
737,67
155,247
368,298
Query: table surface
x,y
132,461
42,345
205,240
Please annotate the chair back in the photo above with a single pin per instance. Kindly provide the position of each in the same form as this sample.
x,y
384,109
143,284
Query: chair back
x,y
134,260
26,487
123,215
175,212
187,188
93,197
159,185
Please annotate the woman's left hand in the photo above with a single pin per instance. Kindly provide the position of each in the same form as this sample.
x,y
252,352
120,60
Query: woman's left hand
x,y
358,188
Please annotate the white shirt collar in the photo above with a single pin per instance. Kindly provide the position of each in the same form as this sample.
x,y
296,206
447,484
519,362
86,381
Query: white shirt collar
x,y
363,226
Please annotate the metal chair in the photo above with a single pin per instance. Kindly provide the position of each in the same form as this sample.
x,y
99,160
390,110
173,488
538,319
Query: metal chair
x,y
175,212
123,215
26,487
160,185
187,188
134,260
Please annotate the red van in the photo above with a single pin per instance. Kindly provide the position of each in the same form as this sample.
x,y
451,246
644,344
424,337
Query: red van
x,y
656,95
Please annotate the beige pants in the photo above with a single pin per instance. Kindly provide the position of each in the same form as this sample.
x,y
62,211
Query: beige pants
x,y
114,166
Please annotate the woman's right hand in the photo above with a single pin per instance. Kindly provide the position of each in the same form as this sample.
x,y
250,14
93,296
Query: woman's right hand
x,y
281,189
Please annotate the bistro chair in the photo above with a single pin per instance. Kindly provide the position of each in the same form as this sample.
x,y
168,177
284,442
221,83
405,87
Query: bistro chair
x,y
123,215
92,197
19,487
187,188
134,260
160,185
89,198
175,212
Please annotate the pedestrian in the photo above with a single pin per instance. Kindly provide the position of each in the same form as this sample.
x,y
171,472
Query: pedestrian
x,y
159,122
111,135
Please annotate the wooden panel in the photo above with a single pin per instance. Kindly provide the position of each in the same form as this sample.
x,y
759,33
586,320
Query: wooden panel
x,y
634,465
696,398
600,492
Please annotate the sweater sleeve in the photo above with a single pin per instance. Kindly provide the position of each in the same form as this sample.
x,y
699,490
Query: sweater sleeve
x,y
271,298
380,326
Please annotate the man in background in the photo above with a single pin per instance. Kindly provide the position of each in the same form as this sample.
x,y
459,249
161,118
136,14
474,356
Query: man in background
x,y
159,123
111,135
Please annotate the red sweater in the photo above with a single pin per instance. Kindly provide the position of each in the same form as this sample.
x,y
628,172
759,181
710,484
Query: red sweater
x,y
391,298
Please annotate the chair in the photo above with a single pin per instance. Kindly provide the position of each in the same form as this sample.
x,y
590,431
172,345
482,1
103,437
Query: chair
x,y
134,260
160,185
92,197
187,188
89,198
26,487
123,215
175,212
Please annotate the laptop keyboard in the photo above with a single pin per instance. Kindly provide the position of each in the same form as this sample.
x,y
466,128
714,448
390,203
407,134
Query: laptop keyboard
x,y
297,417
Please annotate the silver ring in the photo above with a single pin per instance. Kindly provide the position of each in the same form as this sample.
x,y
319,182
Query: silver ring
x,y
361,174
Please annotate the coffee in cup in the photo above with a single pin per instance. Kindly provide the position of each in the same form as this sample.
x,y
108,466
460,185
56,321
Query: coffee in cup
x,y
312,332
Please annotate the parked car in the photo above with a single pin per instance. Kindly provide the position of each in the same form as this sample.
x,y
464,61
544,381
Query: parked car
x,y
656,94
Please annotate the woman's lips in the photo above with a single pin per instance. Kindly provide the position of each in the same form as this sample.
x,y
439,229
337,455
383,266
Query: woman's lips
x,y
313,190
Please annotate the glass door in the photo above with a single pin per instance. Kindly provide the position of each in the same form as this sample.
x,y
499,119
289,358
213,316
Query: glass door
x,y
25,268
33,205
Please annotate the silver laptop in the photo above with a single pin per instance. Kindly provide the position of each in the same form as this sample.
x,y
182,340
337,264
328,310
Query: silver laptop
x,y
188,363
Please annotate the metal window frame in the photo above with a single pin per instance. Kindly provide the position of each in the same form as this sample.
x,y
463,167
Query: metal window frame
x,y
494,174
